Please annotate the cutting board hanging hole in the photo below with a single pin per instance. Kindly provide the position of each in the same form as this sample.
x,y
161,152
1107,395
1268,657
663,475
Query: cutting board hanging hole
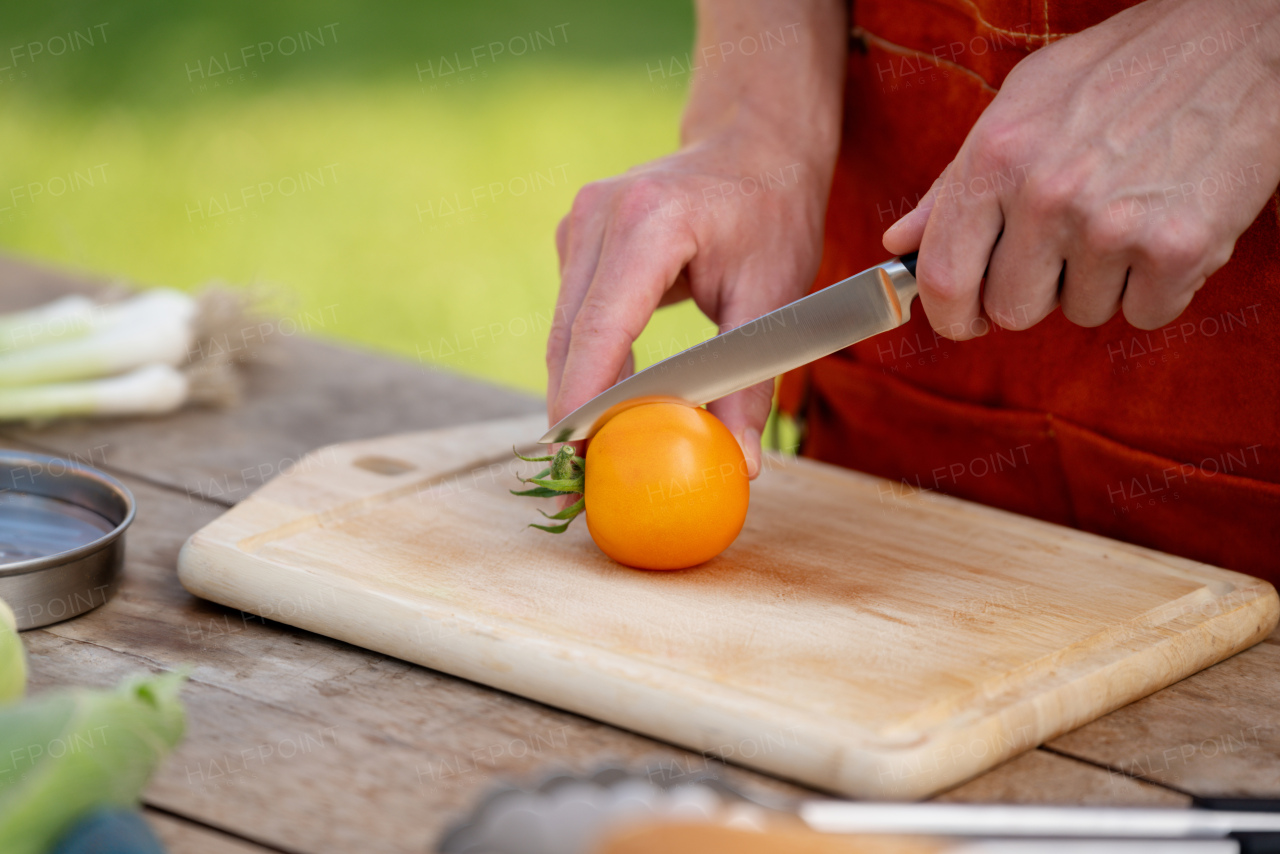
x,y
383,465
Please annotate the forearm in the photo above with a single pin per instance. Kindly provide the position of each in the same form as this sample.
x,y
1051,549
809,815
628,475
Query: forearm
x,y
772,70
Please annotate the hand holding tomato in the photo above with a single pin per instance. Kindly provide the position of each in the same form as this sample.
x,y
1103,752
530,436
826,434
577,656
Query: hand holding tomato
x,y
733,219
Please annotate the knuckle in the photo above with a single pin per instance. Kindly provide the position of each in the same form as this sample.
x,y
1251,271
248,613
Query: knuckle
x,y
1176,248
592,323
1054,193
585,204
586,324
1218,257
1164,260
998,144
1195,241
939,282
557,340
640,199
1107,236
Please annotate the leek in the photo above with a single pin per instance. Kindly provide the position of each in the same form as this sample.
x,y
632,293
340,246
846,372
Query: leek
x,y
157,326
63,755
13,663
74,357
66,317
149,390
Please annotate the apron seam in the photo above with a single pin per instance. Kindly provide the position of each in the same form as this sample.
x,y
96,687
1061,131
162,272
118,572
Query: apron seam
x,y
864,34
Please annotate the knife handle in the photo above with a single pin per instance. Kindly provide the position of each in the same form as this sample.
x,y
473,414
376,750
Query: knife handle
x,y
909,261
1229,804
1250,842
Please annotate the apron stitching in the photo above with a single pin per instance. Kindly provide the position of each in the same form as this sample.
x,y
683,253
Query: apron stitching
x,y
977,16
888,45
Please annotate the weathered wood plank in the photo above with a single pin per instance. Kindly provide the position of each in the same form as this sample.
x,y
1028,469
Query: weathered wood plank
x,y
185,837
311,779
300,394
1041,777
1214,733
382,755
300,783
309,744
243,765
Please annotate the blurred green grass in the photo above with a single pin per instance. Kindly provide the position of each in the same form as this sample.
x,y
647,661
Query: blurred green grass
x,y
344,159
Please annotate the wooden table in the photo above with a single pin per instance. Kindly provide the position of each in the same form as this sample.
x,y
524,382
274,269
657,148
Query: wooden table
x,y
300,743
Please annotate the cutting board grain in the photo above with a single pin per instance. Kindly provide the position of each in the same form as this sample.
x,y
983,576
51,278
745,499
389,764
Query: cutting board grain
x,y
858,637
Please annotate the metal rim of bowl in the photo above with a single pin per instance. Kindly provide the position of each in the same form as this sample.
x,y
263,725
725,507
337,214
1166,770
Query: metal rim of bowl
x,y
11,459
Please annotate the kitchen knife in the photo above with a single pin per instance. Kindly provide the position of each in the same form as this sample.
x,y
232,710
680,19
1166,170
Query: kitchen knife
x,y
874,301
565,813
1255,822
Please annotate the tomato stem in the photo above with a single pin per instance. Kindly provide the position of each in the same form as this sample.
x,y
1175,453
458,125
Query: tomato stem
x,y
565,476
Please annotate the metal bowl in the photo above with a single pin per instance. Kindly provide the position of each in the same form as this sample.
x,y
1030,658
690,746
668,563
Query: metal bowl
x,y
61,537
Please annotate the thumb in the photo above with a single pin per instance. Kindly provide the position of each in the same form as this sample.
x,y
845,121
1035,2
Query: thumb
x,y
905,235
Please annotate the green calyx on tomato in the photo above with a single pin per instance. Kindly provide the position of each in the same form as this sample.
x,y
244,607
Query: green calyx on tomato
x,y
565,476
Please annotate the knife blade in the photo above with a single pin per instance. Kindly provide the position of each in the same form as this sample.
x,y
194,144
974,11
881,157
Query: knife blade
x,y
874,301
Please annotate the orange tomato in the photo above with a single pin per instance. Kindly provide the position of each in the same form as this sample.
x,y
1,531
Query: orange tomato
x,y
666,487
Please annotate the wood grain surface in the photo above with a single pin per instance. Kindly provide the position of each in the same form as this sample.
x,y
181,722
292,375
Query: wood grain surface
x,y
252,677
872,647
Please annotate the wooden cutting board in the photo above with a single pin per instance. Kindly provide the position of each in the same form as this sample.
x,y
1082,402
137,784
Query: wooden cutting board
x,y
858,637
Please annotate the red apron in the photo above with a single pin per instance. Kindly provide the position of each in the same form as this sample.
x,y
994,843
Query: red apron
x,y
1169,439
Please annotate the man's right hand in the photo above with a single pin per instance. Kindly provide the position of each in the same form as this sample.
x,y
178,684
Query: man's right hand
x,y
734,219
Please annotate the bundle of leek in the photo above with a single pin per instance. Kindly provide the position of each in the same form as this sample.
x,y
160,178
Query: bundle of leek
x,y
138,356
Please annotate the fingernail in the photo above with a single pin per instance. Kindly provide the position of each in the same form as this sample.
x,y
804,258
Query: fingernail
x,y
897,225
749,440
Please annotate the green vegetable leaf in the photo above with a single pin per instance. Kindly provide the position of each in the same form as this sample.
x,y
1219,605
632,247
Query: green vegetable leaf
x,y
542,473
569,512
13,663
543,459
64,754
536,492
566,486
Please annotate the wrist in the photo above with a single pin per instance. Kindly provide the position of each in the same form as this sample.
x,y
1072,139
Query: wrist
x,y
756,143
768,80
1244,30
